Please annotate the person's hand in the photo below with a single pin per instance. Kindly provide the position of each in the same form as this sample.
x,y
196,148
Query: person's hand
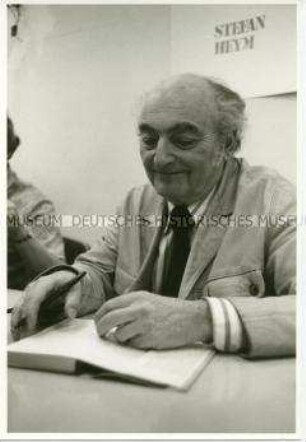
x,y
25,312
148,321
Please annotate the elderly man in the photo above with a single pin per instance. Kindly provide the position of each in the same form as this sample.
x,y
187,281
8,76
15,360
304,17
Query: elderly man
x,y
207,249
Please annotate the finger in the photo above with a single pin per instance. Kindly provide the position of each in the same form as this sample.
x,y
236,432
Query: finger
x,y
73,301
16,315
129,331
16,322
36,292
115,318
34,295
119,302
22,331
140,342
110,336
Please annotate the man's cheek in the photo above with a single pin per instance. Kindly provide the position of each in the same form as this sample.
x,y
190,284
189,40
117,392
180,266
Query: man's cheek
x,y
148,162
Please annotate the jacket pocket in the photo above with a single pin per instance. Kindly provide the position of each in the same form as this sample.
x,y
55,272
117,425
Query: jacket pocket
x,y
239,282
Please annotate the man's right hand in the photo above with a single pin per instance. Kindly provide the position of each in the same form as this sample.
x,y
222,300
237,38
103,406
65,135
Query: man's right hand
x,y
25,312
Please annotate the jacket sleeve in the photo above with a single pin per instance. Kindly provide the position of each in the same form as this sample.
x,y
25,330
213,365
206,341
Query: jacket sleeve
x,y
99,263
269,321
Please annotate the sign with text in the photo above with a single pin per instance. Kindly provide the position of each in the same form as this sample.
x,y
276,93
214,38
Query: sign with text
x,y
251,47
238,35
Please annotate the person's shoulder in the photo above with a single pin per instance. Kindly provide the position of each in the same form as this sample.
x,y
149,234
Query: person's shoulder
x,y
145,190
265,188
264,177
142,197
28,198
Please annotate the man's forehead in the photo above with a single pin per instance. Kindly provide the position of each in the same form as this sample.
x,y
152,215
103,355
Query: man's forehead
x,y
179,105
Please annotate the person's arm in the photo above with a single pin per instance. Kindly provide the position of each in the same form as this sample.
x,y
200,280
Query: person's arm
x,y
34,255
269,322
33,246
87,296
99,263
266,325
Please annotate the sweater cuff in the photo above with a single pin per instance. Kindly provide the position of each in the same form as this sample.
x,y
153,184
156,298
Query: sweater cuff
x,y
228,334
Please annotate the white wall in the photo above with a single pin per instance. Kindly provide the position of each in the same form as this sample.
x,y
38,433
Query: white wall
x,y
72,94
268,68
74,75
271,135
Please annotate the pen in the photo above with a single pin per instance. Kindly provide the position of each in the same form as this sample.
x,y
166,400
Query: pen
x,y
51,309
50,301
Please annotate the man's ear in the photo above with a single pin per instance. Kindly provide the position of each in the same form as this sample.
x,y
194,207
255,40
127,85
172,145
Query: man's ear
x,y
233,143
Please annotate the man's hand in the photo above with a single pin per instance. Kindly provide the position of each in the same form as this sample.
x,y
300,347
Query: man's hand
x,y
148,321
25,312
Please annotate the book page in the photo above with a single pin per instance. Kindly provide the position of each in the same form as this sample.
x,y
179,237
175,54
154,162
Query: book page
x,y
78,339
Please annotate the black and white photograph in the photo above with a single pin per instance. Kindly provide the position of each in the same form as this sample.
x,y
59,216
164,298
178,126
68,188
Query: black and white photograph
x,y
151,164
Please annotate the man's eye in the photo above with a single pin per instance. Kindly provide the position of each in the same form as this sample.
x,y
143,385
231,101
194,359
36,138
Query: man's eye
x,y
184,142
149,141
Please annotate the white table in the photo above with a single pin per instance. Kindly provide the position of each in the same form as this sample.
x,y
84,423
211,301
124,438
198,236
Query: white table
x,y
231,395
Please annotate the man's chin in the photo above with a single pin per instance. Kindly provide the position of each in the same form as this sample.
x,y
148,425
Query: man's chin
x,y
171,195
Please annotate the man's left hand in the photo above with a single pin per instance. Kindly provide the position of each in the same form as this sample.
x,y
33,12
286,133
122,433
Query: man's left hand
x,y
149,321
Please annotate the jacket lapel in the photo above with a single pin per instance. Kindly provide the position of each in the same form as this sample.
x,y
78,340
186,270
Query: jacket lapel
x,y
208,238
151,231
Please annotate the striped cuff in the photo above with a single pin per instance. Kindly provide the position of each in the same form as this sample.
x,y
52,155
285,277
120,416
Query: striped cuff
x,y
227,325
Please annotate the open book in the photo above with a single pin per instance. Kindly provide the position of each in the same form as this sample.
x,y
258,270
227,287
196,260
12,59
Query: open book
x,y
60,347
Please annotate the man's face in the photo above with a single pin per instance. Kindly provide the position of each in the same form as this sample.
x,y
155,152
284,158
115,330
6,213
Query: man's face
x,y
179,146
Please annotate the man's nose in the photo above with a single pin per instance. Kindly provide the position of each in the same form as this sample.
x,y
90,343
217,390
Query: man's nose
x,y
164,154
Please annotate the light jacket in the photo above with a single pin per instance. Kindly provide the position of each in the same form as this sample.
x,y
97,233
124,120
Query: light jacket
x,y
243,250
